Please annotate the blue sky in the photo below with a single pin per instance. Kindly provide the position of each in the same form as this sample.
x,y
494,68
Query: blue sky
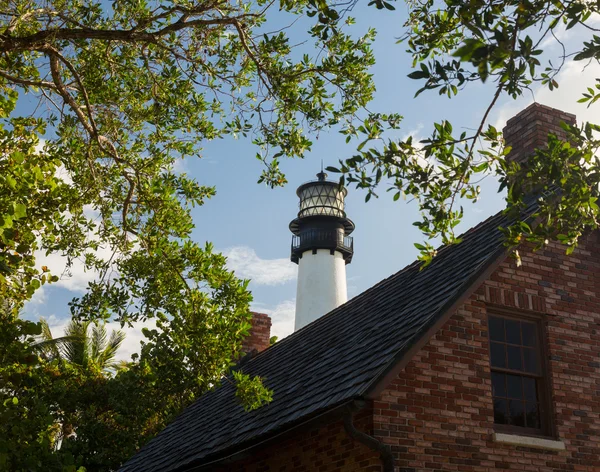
x,y
249,222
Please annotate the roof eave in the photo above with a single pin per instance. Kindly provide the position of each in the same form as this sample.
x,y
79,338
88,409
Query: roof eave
x,y
235,454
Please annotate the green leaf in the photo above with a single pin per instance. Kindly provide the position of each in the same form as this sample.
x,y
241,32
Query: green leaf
x,y
12,183
418,74
20,210
469,47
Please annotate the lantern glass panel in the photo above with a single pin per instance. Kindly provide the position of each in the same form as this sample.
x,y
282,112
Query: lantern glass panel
x,y
321,200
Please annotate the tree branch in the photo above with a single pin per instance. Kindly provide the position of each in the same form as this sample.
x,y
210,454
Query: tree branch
x,y
259,68
18,19
10,43
31,83
90,126
62,90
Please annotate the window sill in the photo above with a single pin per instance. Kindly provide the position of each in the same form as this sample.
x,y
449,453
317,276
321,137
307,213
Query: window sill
x,y
529,441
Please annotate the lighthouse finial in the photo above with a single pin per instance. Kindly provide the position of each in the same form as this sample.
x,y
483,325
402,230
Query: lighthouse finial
x,y
321,175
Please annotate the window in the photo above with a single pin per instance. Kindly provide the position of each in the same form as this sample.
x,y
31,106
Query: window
x,y
518,383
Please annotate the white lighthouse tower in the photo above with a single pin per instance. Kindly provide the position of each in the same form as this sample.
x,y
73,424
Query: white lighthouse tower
x,y
321,246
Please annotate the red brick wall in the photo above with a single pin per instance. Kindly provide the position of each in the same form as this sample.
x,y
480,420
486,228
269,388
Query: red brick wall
x,y
438,413
260,334
328,448
529,129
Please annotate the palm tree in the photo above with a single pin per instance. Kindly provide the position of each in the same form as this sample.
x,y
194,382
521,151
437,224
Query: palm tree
x,y
83,346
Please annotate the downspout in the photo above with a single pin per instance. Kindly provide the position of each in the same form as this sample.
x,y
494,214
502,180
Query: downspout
x,y
385,452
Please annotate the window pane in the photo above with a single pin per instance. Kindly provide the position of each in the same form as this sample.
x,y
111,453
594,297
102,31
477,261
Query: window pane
x,y
530,360
498,355
517,413
515,346
514,358
514,386
531,415
513,331
529,388
496,327
500,411
529,336
498,384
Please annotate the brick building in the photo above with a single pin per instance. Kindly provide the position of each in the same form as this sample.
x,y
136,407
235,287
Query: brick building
x,y
472,364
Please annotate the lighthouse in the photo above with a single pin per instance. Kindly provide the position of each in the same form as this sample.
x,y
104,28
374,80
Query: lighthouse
x,y
321,246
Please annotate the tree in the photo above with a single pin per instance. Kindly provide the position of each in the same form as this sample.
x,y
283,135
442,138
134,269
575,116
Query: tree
x,y
453,45
125,91
83,345
117,94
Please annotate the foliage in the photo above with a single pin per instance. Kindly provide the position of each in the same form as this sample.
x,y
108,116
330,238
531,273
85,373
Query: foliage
x,y
250,391
32,203
60,411
30,390
98,101
454,44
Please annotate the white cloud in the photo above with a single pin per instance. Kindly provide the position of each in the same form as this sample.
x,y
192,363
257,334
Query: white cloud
x,y
247,265
74,278
417,136
352,287
133,337
415,133
560,34
40,297
282,317
39,148
179,166
64,175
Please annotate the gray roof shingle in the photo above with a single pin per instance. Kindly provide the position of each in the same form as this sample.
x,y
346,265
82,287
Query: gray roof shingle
x,y
336,358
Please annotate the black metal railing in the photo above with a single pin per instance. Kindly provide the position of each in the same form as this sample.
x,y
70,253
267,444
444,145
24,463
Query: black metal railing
x,y
322,239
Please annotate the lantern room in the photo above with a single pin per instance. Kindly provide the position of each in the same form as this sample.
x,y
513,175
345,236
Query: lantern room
x,y
321,221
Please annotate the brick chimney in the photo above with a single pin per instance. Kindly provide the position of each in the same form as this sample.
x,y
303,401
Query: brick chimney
x,y
260,334
529,129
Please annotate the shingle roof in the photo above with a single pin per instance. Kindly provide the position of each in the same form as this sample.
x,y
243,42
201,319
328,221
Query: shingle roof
x,y
336,358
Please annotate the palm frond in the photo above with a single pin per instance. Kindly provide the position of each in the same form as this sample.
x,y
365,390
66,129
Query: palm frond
x,y
121,365
48,345
83,346
46,331
109,353
97,341
76,351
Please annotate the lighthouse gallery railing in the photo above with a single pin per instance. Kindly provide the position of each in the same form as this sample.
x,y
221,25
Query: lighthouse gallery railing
x,y
322,239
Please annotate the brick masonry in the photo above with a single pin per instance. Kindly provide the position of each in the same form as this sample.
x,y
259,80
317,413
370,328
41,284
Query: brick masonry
x,y
260,334
326,448
529,129
438,414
